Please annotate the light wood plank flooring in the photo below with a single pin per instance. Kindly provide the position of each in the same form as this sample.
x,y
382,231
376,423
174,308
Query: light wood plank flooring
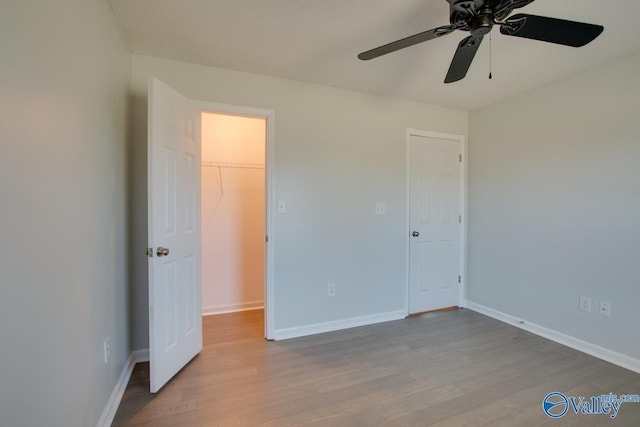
x,y
455,368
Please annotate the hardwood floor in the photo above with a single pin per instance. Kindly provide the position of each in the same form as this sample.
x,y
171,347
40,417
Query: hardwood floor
x,y
455,368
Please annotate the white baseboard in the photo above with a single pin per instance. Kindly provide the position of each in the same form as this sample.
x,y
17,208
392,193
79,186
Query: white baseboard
x,y
607,355
113,403
335,325
140,356
232,308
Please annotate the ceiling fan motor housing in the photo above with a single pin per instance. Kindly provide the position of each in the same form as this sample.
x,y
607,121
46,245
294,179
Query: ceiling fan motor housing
x,y
481,24
478,16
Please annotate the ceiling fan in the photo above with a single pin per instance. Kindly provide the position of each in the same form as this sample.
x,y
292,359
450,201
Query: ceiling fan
x,y
478,17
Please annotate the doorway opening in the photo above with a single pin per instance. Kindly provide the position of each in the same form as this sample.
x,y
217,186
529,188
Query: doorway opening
x,y
234,212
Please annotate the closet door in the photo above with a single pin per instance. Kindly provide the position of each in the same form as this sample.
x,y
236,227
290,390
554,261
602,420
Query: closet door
x,y
435,221
175,317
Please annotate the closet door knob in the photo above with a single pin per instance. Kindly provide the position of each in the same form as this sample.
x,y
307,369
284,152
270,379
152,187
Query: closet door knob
x,y
414,234
162,251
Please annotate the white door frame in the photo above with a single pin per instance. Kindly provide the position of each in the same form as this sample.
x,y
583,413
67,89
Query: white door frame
x,y
269,116
462,290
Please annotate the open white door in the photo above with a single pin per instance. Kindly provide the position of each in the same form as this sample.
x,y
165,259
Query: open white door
x,y
175,320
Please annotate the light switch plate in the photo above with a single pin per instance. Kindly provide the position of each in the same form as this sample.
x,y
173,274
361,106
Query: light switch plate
x,y
585,304
282,207
605,308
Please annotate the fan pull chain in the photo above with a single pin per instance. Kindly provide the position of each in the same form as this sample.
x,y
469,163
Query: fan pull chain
x,y
490,57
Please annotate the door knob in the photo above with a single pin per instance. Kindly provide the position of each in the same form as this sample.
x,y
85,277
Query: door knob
x,y
162,251
414,234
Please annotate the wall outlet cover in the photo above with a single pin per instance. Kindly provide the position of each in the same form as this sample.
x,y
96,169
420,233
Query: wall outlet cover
x,y
331,289
605,308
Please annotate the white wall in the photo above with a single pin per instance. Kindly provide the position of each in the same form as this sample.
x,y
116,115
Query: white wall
x,y
233,213
337,153
63,242
554,207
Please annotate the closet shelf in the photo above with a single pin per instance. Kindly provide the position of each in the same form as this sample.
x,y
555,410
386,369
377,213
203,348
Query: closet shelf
x,y
230,165
233,165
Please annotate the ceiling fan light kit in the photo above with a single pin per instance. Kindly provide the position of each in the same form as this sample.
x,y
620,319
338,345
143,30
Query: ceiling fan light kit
x,y
478,18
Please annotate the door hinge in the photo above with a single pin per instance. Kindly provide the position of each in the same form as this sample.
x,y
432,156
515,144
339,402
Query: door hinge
x,y
459,219
460,158
148,252
267,239
459,279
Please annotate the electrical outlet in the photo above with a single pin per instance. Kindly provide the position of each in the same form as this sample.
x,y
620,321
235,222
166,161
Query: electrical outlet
x,y
585,304
107,349
381,209
331,289
605,308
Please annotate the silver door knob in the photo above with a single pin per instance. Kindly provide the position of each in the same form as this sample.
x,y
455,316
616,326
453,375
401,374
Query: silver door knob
x,y
414,234
162,251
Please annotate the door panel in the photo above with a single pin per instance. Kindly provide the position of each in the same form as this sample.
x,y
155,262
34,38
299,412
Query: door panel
x,y
192,310
175,324
189,190
168,190
447,262
170,280
434,209
424,254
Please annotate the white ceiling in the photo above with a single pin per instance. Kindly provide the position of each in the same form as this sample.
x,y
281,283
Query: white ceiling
x,y
317,41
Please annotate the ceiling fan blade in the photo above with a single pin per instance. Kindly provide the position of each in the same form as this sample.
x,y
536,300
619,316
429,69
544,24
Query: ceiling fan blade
x,y
552,30
463,58
406,42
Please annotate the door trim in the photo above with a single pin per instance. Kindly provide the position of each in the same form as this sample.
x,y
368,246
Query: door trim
x,y
270,116
462,290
